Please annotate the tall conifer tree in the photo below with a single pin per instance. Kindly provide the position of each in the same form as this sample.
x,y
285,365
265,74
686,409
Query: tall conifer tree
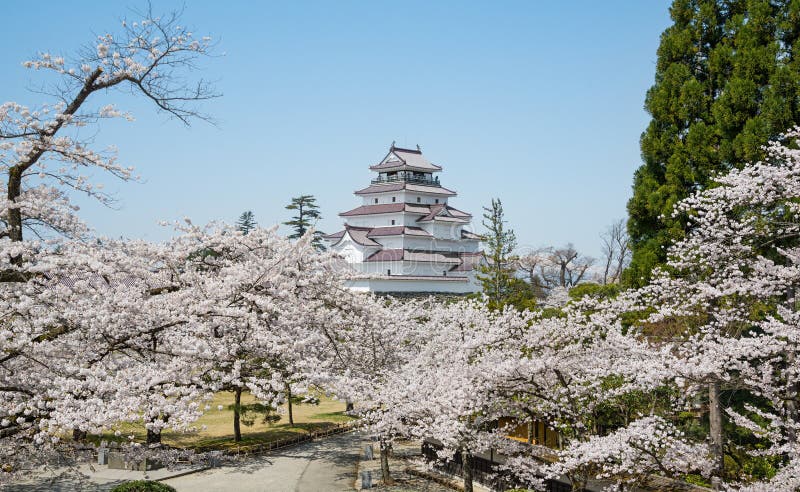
x,y
307,214
727,81
497,275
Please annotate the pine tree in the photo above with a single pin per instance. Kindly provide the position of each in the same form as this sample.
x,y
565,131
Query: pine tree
x,y
307,211
246,222
497,275
727,79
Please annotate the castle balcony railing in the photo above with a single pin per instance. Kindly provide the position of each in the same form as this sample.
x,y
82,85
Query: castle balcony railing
x,y
407,179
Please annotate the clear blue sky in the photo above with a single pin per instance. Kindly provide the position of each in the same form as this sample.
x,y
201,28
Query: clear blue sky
x,y
538,103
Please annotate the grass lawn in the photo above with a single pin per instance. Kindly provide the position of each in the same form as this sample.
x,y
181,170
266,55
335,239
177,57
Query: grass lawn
x,y
215,428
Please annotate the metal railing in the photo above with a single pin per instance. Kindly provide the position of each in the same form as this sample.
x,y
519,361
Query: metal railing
x,y
408,179
484,471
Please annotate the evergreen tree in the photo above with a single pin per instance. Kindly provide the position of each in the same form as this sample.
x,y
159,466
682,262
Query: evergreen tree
x,y
246,222
727,81
497,275
307,215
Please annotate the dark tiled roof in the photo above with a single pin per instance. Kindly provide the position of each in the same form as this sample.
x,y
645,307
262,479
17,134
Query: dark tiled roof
x,y
469,235
414,208
444,213
381,231
405,158
335,235
389,187
386,231
359,235
383,208
409,255
387,255
434,278
469,262
416,231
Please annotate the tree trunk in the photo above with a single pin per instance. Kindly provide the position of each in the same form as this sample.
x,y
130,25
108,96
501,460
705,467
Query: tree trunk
x,y
578,482
386,449
466,460
237,403
289,403
348,406
715,428
531,428
78,435
153,436
792,413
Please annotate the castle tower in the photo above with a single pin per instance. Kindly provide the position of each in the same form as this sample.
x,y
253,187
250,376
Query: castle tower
x,y
405,236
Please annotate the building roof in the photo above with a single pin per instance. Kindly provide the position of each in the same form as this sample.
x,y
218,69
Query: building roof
x,y
414,208
403,186
382,208
397,231
358,234
460,261
399,158
433,278
444,213
469,262
411,255
469,235
363,235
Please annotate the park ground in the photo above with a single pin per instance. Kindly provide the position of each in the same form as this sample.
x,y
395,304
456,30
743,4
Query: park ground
x,y
214,430
330,464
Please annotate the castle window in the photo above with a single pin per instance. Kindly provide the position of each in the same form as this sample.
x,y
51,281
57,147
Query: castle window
x,y
437,200
376,200
392,221
394,199
388,272
419,199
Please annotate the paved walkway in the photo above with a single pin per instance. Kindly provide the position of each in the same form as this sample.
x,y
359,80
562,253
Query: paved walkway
x,y
327,465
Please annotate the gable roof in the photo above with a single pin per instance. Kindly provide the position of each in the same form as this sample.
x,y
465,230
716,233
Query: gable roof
x,y
444,213
399,158
357,234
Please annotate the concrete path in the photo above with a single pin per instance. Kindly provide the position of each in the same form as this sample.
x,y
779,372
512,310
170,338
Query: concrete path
x,y
318,466
327,465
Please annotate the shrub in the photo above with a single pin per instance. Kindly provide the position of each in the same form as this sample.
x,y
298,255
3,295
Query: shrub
x,y
142,486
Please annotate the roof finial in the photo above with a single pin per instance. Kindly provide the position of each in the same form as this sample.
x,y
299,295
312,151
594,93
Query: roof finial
x,y
393,142
418,149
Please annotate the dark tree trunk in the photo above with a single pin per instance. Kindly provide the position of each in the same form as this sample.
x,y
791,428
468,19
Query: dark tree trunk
x,y
715,428
386,449
153,436
14,186
78,435
289,403
792,412
466,460
348,406
237,404
531,429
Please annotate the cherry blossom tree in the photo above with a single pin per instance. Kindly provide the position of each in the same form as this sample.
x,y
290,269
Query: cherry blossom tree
x,y
42,152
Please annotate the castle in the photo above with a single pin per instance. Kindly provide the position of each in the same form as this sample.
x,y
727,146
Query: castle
x,y
405,237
